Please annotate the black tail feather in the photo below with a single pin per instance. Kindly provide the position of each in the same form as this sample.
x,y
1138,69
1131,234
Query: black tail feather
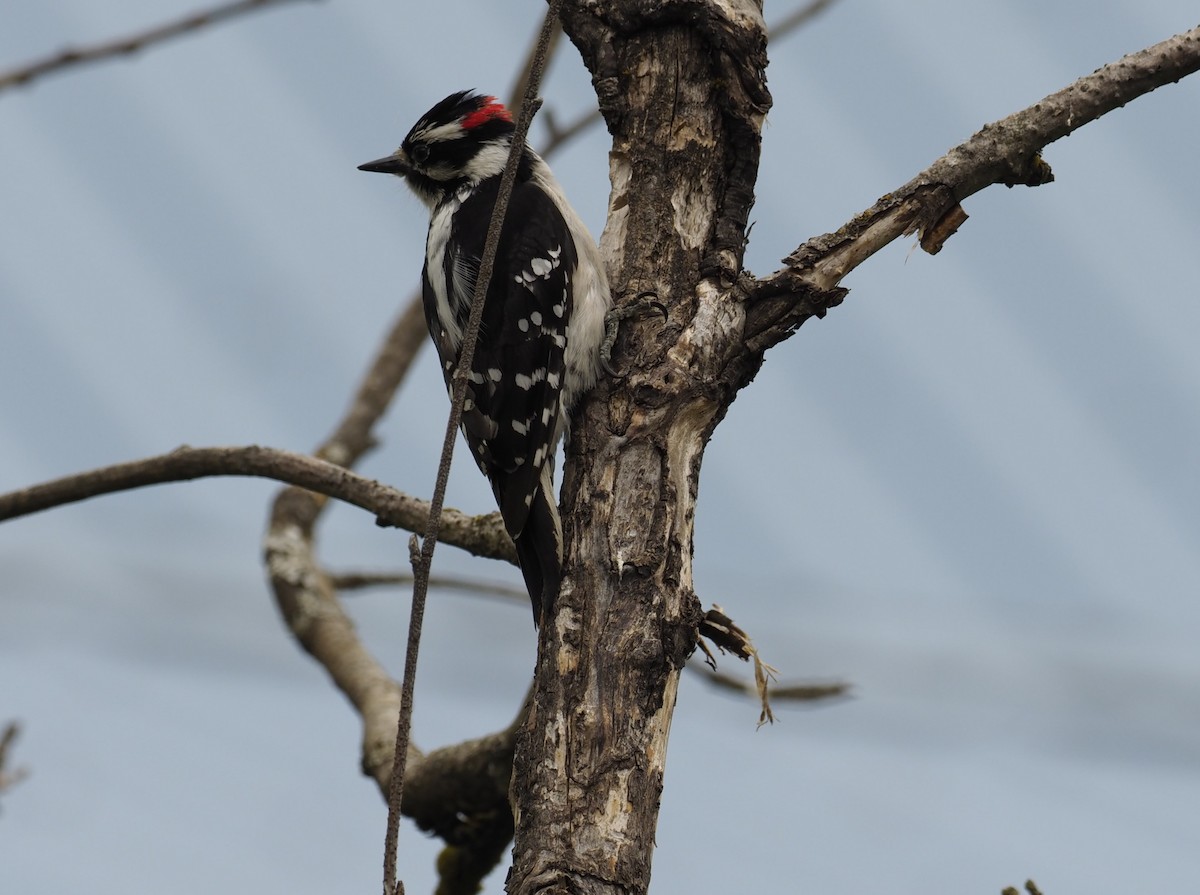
x,y
539,549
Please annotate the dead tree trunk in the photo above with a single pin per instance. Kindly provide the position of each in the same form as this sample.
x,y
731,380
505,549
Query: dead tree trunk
x,y
682,88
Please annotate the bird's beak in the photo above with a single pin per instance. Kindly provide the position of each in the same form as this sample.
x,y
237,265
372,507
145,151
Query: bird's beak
x,y
396,163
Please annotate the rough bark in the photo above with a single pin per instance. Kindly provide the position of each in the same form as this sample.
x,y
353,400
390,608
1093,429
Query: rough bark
x,y
682,88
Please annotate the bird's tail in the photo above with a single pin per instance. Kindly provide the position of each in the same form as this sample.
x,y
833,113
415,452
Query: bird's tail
x,y
539,548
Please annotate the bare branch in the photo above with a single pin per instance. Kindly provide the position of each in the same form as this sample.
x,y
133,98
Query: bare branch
x,y
315,616
309,603
799,17
557,137
464,779
9,779
352,438
522,83
454,790
1006,151
306,597
1030,887
126,46
481,535
796,692
362,580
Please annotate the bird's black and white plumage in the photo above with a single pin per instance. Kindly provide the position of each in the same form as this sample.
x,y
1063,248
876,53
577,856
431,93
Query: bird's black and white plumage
x,y
543,317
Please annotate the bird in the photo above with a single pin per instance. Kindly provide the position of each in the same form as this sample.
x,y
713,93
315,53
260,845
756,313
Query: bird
x,y
544,313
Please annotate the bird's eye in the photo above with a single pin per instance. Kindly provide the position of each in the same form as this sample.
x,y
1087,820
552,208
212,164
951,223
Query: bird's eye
x,y
419,153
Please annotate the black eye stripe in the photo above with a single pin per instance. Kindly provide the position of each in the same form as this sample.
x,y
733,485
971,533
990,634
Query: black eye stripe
x,y
420,153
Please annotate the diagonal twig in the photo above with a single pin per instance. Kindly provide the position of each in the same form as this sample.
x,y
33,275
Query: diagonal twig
x,y
1005,151
798,17
462,371
126,46
521,84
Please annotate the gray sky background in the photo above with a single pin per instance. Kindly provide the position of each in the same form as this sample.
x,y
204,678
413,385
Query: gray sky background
x,y
972,490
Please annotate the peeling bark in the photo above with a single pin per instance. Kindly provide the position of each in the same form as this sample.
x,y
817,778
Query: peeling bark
x,y
682,88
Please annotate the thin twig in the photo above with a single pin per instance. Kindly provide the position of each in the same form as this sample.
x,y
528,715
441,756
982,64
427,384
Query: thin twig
x,y
794,692
9,779
362,580
557,136
466,354
798,17
126,46
521,85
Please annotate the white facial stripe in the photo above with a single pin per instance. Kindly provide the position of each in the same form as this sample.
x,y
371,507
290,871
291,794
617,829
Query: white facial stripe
x,y
435,133
488,161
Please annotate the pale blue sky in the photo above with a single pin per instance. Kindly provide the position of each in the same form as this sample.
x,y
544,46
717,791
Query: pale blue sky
x,y
972,490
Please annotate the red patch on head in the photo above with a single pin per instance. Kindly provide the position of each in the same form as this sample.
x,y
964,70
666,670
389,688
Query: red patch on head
x,y
492,108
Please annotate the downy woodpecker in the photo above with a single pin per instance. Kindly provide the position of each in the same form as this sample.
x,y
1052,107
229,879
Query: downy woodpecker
x,y
543,315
